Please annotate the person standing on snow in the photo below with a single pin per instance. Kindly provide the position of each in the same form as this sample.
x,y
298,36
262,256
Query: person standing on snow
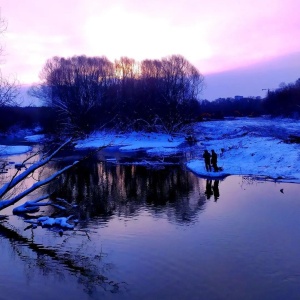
x,y
206,156
214,159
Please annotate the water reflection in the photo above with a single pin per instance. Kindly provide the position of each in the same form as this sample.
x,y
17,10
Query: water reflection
x,y
208,189
105,189
102,191
216,190
212,189
129,240
89,269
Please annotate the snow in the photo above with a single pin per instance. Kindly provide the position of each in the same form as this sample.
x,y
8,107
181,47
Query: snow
x,y
150,142
257,147
249,146
12,150
245,146
46,221
35,138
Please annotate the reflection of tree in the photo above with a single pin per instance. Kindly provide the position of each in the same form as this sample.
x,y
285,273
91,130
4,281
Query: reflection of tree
x,y
52,260
105,189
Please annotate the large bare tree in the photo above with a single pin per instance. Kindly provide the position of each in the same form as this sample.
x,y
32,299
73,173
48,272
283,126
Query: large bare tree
x,y
88,91
75,87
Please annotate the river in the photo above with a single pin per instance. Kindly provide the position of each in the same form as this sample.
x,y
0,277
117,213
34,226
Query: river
x,y
157,233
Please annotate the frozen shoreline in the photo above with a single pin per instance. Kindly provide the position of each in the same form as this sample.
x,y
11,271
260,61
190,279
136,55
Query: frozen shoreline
x,y
255,147
250,147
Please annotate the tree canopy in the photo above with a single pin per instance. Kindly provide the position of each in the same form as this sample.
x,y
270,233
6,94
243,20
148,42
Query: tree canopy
x,y
88,92
285,100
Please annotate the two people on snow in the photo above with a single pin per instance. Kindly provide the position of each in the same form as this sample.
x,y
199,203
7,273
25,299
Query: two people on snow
x,y
210,160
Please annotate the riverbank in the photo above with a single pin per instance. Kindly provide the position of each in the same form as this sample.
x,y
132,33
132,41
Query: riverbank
x,y
245,146
260,147
251,146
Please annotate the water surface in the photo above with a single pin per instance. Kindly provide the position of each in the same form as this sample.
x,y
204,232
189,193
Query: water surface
x,y
147,233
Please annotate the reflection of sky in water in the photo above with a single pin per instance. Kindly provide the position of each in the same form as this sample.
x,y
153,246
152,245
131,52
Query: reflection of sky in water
x,y
242,246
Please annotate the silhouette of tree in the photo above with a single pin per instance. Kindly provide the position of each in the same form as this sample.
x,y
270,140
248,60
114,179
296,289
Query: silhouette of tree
x,y
285,100
89,91
75,87
8,87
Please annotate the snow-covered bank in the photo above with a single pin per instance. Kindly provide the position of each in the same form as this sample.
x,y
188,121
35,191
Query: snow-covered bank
x,y
150,142
247,146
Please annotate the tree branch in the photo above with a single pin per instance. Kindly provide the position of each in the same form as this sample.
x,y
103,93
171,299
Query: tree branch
x,y
6,203
17,179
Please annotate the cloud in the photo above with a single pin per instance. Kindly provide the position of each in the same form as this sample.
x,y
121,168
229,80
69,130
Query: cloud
x,y
118,32
31,51
216,36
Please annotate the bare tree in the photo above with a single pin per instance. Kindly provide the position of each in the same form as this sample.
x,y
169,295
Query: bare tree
x,y
86,91
75,87
172,87
8,91
8,88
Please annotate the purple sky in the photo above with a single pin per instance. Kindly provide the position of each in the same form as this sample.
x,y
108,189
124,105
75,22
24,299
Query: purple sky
x,y
240,46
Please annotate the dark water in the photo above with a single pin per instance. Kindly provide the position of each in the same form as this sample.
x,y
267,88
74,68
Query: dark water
x,y
149,233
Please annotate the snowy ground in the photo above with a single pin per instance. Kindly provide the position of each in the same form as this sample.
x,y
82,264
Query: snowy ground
x,y
245,146
251,146
150,142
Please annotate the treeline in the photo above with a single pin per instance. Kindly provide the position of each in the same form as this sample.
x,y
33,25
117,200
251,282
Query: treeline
x,y
284,101
84,94
89,93
26,117
232,107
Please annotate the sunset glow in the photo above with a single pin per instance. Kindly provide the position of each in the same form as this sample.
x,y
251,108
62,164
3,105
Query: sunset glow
x,y
216,36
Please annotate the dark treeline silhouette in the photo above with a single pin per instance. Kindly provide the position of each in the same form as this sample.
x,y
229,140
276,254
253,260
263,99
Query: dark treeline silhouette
x,y
284,101
234,107
26,117
91,93
87,93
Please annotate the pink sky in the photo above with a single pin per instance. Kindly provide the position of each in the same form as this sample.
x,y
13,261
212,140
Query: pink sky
x,y
217,36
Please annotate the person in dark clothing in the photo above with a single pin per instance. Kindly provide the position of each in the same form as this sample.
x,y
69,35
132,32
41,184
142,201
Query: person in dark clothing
x,y
206,156
214,159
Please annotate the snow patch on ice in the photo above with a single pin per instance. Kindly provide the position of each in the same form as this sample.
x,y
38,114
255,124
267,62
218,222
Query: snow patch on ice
x,y
135,141
35,137
12,150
